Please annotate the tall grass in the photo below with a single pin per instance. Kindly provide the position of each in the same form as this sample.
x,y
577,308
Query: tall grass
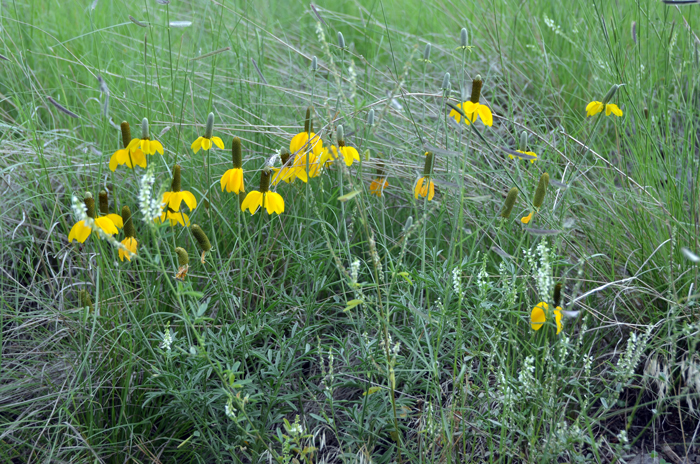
x,y
352,328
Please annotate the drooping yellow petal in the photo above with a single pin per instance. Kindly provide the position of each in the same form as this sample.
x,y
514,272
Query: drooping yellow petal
x,y
218,142
117,159
537,317
156,147
469,109
594,108
614,109
131,244
134,144
528,218
298,142
106,225
197,144
455,114
432,189
189,199
206,143
350,154
417,190
172,200
80,232
557,317
136,158
116,219
146,146
274,203
252,202
485,115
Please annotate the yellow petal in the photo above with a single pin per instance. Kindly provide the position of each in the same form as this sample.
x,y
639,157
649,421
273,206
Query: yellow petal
x,y
252,202
116,219
557,317
197,144
156,146
431,187
537,317
238,183
106,225
274,203
218,142
350,155
298,142
80,232
316,144
134,144
146,146
485,114
612,108
190,200
206,143
528,218
594,108
137,157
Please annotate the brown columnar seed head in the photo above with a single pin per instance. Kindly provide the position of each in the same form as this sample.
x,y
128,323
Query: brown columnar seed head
x,y
90,205
557,294
340,135
476,89
129,229
144,128
284,155
265,175
183,259
541,190
307,121
236,152
126,133
209,129
523,141
201,237
428,166
646,113
177,179
511,198
104,202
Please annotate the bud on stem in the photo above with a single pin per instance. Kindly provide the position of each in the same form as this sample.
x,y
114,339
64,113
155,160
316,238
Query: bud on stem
x,y
446,82
370,117
511,198
183,259
426,52
209,130
201,237
463,37
144,129
541,190
611,93
314,63
523,141
341,40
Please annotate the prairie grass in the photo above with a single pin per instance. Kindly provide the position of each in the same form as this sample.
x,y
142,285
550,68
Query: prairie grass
x,y
352,327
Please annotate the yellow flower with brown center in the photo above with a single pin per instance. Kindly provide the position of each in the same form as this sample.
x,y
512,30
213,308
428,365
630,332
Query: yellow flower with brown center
x,y
82,229
232,180
271,201
205,142
425,185
538,316
174,199
472,109
145,144
125,156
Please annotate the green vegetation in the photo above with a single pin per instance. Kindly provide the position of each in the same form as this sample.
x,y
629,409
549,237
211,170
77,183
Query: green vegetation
x,y
365,322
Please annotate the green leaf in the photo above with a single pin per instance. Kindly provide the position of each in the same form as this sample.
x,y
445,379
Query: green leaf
x,y
349,196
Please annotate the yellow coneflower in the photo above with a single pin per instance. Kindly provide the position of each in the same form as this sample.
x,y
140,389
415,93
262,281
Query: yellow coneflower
x,y
596,107
129,242
145,144
124,156
472,108
174,199
207,139
380,182
306,147
350,154
272,201
285,173
522,148
538,316
425,185
82,229
232,180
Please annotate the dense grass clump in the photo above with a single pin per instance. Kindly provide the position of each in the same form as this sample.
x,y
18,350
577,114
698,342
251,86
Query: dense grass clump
x,y
388,231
